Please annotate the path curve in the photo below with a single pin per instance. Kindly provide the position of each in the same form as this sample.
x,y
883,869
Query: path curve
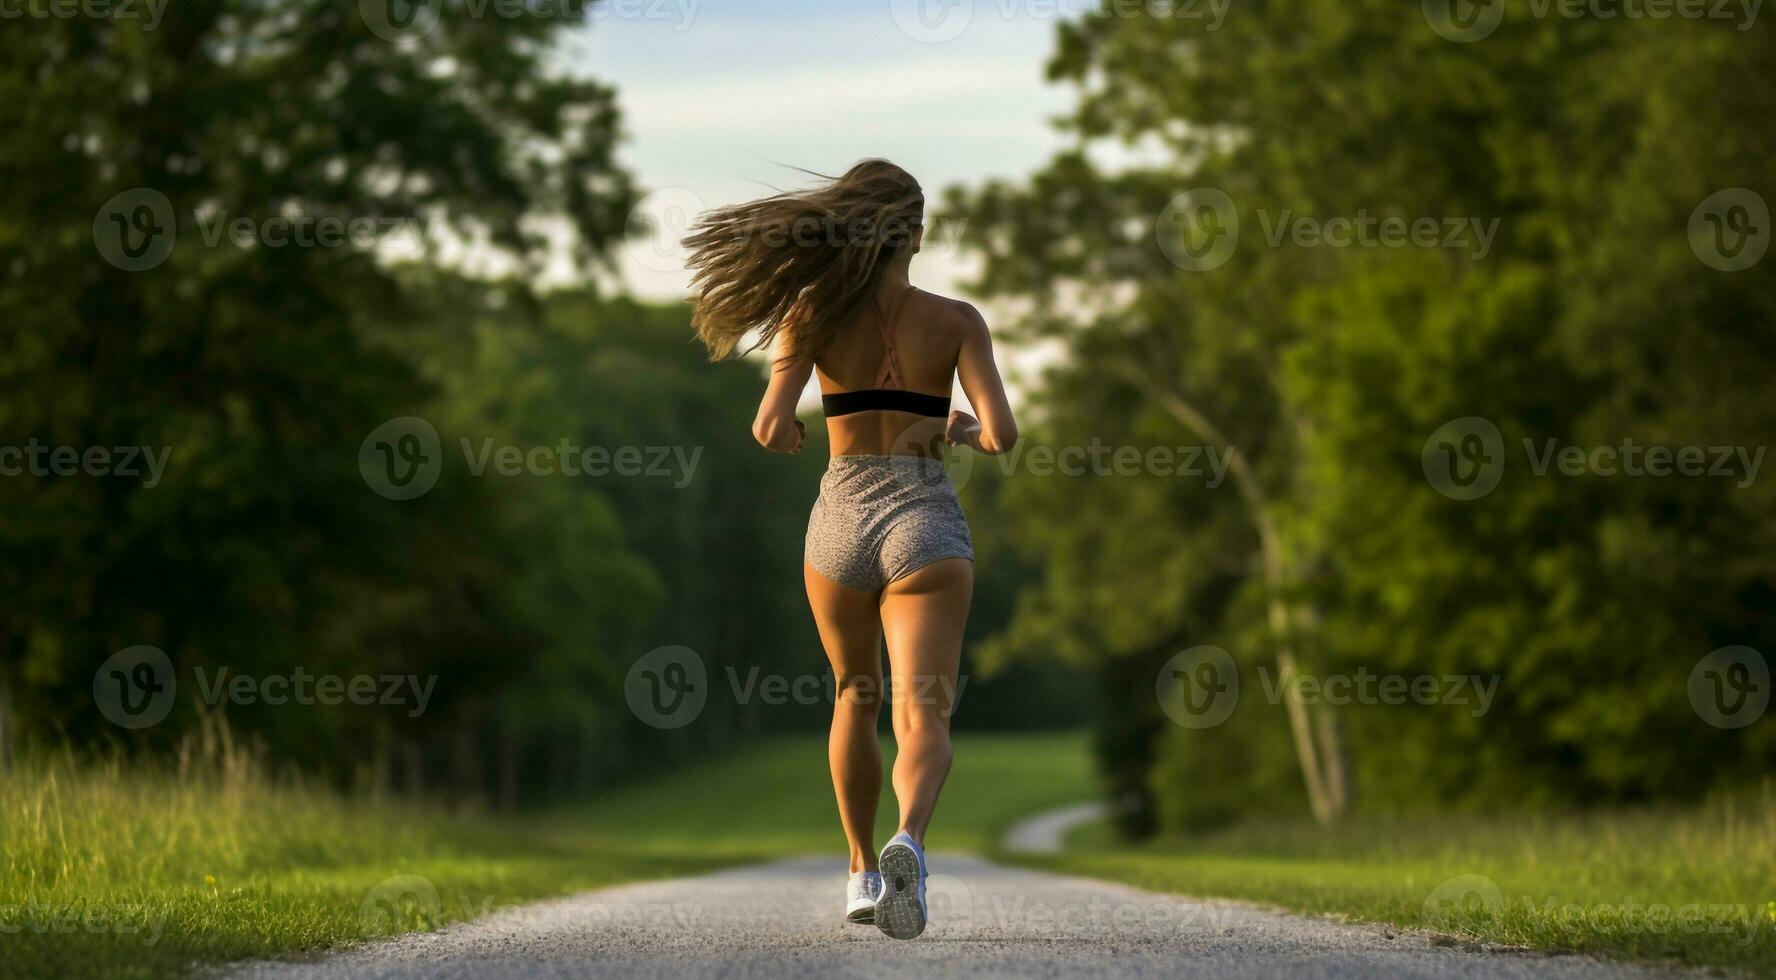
x,y
1046,833
783,920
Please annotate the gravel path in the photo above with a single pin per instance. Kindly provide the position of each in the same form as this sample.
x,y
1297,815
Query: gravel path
x,y
783,920
1046,833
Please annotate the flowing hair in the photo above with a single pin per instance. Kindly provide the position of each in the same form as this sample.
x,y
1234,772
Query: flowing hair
x,y
800,263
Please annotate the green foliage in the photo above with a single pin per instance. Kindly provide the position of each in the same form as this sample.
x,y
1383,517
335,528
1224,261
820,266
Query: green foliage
x,y
1588,320
264,367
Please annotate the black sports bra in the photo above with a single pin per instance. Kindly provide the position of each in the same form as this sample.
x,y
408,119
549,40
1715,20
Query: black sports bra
x,y
888,394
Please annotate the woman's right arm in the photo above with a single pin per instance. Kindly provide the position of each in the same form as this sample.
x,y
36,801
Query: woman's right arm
x,y
996,431
776,427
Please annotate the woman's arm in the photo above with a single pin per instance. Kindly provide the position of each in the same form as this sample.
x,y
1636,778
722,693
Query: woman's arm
x,y
996,431
776,428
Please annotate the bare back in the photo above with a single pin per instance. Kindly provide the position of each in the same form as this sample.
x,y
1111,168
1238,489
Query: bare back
x,y
928,331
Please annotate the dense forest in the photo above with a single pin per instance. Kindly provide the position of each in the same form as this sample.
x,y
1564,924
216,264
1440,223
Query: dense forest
x,y
1339,244
1576,286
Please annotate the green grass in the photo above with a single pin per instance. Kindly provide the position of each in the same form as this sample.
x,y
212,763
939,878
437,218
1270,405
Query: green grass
x,y
224,865
110,871
1562,881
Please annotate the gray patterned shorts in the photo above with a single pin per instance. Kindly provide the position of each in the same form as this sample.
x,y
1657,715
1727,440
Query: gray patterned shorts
x,y
881,518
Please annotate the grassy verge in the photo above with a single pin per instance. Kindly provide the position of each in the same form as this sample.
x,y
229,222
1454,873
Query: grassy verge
x,y
113,872
1697,886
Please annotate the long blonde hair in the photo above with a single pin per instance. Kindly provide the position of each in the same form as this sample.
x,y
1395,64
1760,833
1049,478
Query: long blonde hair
x,y
802,262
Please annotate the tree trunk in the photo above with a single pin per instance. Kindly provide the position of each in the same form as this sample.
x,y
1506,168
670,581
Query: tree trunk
x,y
1317,748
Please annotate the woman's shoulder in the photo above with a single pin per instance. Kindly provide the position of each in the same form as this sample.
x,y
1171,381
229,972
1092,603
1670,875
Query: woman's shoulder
x,y
949,313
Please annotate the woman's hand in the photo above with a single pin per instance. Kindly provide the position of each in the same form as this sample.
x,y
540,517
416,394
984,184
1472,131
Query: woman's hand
x,y
962,430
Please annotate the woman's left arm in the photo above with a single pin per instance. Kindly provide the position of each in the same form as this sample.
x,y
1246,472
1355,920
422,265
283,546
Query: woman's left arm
x,y
777,427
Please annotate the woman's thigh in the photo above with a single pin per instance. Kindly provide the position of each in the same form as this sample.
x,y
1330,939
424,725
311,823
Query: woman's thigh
x,y
923,616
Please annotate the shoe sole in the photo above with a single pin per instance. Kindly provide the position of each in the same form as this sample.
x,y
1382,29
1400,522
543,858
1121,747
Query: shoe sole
x,y
862,917
899,913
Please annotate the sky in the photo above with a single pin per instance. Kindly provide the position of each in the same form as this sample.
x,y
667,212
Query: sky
x,y
722,98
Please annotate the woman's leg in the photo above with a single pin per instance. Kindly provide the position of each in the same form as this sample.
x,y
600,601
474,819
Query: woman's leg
x,y
852,634
923,616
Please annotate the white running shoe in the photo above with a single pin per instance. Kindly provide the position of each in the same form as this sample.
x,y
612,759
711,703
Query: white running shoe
x,y
860,897
900,912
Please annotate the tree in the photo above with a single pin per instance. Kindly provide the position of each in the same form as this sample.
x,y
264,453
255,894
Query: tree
x,y
1585,314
